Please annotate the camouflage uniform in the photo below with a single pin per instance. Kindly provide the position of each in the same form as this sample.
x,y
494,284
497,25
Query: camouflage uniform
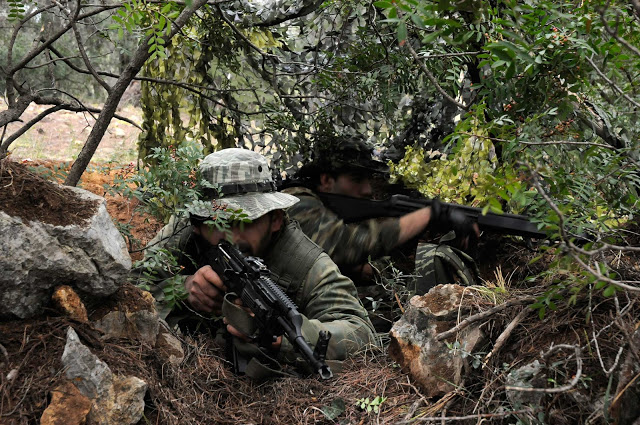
x,y
326,298
348,245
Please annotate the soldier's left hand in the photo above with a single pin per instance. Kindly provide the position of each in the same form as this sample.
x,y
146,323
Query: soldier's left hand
x,y
235,332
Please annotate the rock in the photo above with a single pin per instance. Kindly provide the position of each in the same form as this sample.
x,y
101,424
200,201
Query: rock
x,y
528,376
89,374
169,348
68,302
124,404
68,407
133,317
115,399
139,325
90,256
437,368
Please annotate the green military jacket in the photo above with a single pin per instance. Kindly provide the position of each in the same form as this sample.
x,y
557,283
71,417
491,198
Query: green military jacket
x,y
327,299
347,244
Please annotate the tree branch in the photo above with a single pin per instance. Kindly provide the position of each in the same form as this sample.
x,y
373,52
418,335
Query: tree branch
x,y
85,58
5,145
481,316
139,58
612,84
564,388
433,79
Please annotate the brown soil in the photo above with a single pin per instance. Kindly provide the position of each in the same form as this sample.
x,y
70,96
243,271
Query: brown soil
x,y
32,198
141,227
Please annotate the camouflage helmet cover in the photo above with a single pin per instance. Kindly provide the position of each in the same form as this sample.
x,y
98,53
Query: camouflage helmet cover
x,y
347,152
244,181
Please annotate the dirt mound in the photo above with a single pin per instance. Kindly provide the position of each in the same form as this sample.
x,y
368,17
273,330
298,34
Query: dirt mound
x,y
137,227
32,198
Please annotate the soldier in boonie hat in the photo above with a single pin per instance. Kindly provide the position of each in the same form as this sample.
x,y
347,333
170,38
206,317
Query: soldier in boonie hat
x,y
241,180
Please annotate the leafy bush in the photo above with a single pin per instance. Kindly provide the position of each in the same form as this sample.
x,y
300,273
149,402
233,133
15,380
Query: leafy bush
x,y
165,187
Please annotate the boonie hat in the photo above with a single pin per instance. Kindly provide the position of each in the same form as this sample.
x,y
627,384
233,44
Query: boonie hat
x,y
243,181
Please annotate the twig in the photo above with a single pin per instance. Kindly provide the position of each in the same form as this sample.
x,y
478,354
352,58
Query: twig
x,y
433,79
86,60
563,388
5,145
26,392
465,418
4,352
481,316
622,391
505,335
612,84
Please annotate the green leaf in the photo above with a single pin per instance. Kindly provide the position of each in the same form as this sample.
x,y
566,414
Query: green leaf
x,y
418,21
511,70
167,7
609,291
336,409
402,32
600,284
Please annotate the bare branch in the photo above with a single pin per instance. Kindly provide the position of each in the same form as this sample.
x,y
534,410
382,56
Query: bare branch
x,y
477,417
433,79
5,145
612,84
505,335
305,10
447,55
614,34
85,58
9,75
564,388
41,47
482,315
139,58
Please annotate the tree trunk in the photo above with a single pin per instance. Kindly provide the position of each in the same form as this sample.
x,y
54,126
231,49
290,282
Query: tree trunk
x,y
139,58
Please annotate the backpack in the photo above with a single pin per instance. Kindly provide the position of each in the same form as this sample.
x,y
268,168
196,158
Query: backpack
x,y
440,264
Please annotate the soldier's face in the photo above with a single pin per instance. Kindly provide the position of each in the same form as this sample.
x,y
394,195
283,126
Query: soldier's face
x,y
251,238
346,184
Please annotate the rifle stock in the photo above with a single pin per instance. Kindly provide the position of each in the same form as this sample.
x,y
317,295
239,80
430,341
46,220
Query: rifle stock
x,y
355,209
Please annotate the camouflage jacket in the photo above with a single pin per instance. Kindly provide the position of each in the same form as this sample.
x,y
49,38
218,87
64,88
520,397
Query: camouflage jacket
x,y
327,299
347,244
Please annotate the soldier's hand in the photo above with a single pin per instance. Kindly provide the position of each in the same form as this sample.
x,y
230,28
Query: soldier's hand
x,y
446,217
239,334
206,290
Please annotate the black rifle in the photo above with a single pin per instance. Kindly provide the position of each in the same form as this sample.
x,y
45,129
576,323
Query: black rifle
x,y
275,314
355,209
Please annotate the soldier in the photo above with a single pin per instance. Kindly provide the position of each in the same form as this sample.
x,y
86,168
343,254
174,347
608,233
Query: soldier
x,y
345,166
327,299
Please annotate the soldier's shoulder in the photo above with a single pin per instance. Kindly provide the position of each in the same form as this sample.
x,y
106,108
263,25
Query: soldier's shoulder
x,y
300,191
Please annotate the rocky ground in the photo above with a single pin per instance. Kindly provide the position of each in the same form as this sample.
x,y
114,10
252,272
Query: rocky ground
x,y
591,384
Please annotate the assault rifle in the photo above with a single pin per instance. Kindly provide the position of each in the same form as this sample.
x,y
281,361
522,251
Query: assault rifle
x,y
355,209
275,313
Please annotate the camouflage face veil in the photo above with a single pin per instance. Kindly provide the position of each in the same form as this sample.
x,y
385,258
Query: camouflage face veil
x,y
243,181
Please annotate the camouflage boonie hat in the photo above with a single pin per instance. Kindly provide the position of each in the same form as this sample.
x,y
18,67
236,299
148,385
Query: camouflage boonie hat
x,y
243,181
